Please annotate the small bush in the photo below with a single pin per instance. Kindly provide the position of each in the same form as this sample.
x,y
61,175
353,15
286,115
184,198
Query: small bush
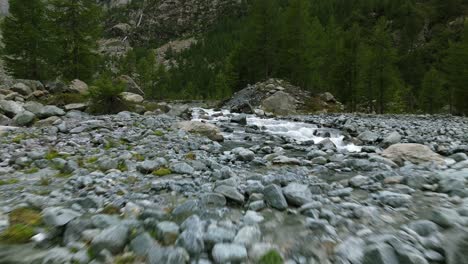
x,y
17,234
52,154
31,170
159,133
105,96
162,172
191,156
111,210
271,257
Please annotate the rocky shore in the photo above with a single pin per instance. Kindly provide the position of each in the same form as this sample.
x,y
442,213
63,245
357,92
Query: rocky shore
x,y
235,188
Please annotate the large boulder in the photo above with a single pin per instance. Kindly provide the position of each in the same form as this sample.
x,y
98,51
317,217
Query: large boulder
x,y
50,110
10,108
24,118
209,130
132,97
22,89
78,86
280,103
414,153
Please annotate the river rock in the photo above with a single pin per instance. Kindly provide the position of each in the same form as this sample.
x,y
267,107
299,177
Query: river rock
x,y
209,130
280,103
10,108
24,118
227,253
297,194
78,86
22,89
50,110
456,244
274,197
414,153
132,98
112,239
230,193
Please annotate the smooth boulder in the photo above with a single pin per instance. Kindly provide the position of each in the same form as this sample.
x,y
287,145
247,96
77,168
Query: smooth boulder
x,y
414,153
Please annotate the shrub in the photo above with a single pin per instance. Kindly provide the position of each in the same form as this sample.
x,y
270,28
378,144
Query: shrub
x,y
271,257
105,96
9,181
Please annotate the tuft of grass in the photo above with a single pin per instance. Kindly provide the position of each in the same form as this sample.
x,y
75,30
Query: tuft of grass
x,y
63,175
127,258
158,133
138,157
271,257
130,180
25,216
18,138
44,181
191,156
31,170
111,210
9,181
162,172
92,160
17,234
122,166
52,154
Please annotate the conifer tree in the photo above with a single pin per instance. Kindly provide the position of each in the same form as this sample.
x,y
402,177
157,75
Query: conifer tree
x,y
75,33
456,68
25,39
431,93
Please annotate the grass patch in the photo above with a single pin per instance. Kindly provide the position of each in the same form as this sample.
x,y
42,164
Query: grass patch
x,y
125,259
138,157
31,170
130,180
92,160
25,216
158,133
45,181
271,257
63,175
191,156
111,210
9,181
18,138
17,234
122,166
52,154
162,172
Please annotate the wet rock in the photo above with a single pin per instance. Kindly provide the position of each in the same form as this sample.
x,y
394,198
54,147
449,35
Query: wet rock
x,y
248,235
392,138
243,154
226,253
204,129
112,239
280,103
368,137
230,193
297,194
239,119
58,216
380,254
445,217
394,199
274,197
455,246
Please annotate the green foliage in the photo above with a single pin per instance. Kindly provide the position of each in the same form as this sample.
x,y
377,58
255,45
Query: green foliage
x,y
271,257
17,234
9,181
162,172
25,41
75,29
25,216
105,96
431,92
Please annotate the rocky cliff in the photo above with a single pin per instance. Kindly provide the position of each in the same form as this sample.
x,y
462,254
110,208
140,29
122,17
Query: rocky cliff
x,y
158,21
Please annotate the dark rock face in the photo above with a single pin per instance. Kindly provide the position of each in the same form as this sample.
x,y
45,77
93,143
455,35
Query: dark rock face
x,y
167,19
279,97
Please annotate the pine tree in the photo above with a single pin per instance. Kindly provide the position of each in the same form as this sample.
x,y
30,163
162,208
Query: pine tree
x,y
456,68
25,39
296,58
75,34
383,60
431,93
257,55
